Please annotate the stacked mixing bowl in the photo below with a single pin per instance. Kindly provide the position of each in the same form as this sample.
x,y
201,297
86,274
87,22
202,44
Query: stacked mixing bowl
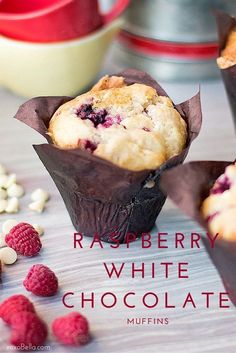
x,y
54,47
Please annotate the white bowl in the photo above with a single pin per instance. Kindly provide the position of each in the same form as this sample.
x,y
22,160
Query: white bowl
x,y
65,68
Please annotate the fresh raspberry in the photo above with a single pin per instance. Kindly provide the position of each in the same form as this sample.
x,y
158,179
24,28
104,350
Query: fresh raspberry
x,y
41,281
28,330
15,303
72,329
24,239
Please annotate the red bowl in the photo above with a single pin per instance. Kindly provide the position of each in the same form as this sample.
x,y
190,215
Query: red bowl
x,y
53,20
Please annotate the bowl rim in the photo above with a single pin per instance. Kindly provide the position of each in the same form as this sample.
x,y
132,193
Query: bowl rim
x,y
35,13
66,43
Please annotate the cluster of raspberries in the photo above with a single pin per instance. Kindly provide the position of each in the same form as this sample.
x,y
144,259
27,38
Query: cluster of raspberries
x,y
29,331
24,239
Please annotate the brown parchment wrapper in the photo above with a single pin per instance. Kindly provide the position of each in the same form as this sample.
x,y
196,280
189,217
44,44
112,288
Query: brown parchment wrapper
x,y
101,197
225,24
188,185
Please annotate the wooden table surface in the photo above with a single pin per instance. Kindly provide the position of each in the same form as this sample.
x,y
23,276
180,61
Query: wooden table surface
x,y
189,330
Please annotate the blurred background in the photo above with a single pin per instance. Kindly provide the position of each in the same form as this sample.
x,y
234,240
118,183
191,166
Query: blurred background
x,y
58,47
176,39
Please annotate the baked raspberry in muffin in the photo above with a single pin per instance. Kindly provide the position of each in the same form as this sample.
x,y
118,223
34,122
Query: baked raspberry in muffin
x,y
228,54
219,208
131,126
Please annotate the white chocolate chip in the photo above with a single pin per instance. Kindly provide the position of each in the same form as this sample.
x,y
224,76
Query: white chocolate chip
x,y
40,195
11,180
39,229
3,194
3,180
2,169
8,256
2,240
37,206
8,225
149,184
3,205
15,190
12,205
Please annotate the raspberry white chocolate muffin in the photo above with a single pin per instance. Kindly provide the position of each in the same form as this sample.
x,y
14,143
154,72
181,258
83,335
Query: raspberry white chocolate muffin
x,y
228,55
219,208
130,126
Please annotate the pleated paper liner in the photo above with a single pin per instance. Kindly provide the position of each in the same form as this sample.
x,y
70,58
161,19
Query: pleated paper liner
x,y
102,198
188,185
225,24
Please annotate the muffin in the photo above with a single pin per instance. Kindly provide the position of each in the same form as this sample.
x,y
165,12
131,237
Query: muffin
x,y
219,208
204,190
107,149
228,54
131,126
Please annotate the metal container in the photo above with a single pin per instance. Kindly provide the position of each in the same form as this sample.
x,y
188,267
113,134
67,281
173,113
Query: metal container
x,y
163,68
176,20
172,39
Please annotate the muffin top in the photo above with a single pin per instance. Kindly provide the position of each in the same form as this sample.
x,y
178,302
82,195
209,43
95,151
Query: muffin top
x,y
219,208
228,55
130,126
